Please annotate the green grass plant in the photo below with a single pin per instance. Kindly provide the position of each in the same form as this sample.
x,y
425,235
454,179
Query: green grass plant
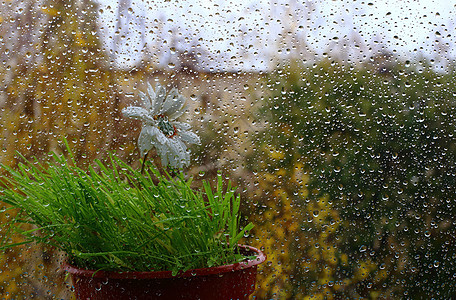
x,y
114,217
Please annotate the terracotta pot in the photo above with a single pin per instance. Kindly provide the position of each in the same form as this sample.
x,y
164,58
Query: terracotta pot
x,y
235,281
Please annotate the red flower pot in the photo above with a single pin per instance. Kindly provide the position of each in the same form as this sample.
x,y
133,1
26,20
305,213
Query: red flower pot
x,y
235,281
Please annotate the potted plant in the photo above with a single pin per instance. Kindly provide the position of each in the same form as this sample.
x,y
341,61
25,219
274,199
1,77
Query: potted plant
x,y
137,234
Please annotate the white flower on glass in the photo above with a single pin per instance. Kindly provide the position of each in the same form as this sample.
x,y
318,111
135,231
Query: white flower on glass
x,y
160,128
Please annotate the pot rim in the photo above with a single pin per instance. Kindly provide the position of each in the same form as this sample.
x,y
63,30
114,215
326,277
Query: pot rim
x,y
260,257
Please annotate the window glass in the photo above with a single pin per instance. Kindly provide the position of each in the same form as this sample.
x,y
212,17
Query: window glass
x,y
334,120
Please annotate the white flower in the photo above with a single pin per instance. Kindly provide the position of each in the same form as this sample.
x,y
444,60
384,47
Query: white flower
x,y
160,130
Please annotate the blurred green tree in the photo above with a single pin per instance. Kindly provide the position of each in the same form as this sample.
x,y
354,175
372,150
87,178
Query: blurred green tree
x,y
379,152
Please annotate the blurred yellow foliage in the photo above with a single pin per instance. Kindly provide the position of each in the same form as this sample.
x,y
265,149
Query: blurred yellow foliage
x,y
65,93
50,11
299,233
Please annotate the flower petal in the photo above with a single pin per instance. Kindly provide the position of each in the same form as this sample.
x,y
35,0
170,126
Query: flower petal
x,y
145,99
179,111
135,112
173,104
172,160
145,140
150,91
172,149
162,151
149,98
181,157
181,125
168,101
189,137
160,137
149,137
160,93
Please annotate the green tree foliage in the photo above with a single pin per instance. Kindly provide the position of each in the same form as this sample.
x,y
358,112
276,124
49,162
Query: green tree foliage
x,y
380,146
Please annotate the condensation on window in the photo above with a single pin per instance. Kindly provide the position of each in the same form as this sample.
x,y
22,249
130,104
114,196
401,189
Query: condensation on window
x,y
334,120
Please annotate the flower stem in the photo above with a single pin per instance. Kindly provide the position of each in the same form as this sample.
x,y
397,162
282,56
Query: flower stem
x,y
144,163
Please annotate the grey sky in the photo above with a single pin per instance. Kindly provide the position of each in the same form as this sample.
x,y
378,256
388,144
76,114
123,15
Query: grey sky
x,y
254,34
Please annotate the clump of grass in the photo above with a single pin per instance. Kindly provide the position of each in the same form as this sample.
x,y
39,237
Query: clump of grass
x,y
113,217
